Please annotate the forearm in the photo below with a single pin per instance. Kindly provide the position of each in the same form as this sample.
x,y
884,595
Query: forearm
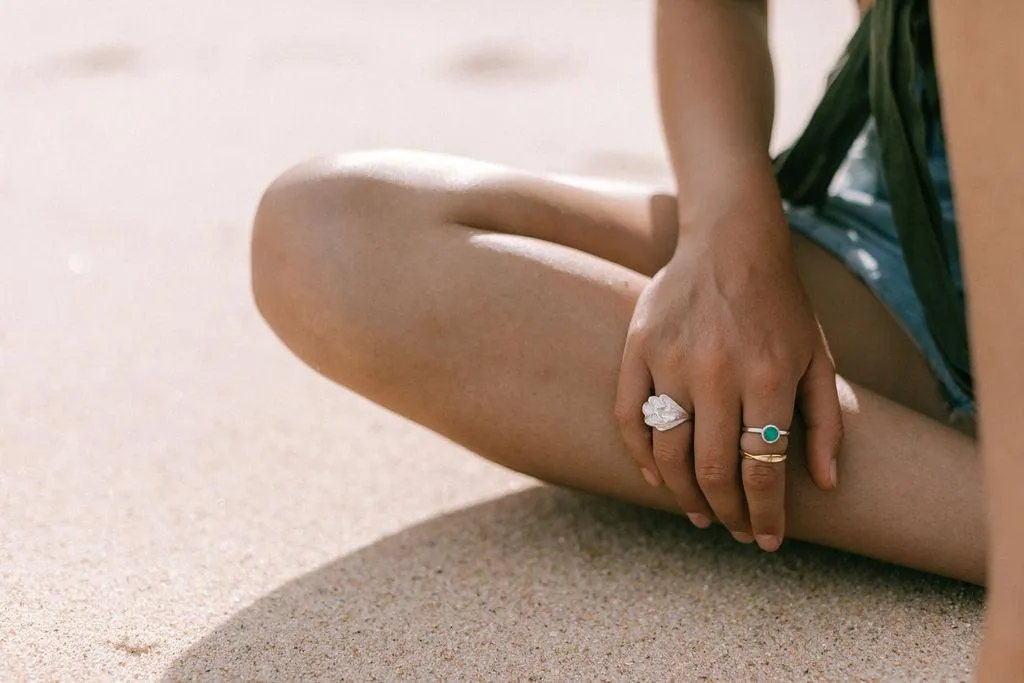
x,y
716,89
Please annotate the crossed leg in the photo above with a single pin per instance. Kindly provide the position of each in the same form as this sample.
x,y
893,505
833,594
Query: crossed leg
x,y
491,306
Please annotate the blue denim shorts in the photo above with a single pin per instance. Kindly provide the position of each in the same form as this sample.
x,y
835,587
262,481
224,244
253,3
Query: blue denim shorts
x,y
856,226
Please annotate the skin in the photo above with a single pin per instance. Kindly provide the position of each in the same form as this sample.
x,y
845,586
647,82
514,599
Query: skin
x,y
541,279
989,171
478,300
725,327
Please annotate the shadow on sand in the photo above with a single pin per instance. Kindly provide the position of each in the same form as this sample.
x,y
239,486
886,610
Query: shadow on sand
x,y
550,584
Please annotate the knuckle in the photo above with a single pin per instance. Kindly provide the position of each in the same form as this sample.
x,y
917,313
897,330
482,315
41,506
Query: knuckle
x,y
761,478
715,477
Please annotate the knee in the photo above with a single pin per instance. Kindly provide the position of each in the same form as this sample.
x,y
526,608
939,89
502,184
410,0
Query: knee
x,y
304,229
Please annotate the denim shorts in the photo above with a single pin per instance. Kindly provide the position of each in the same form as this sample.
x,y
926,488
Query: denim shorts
x,y
856,226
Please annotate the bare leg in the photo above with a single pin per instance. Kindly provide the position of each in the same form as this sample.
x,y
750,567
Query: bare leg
x,y
506,337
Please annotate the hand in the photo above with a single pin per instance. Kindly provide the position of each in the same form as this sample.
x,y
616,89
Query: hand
x,y
726,330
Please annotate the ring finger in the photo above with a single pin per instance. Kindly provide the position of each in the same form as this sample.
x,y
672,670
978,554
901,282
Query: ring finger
x,y
764,482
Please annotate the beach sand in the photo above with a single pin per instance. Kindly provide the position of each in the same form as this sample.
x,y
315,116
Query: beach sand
x,y
182,499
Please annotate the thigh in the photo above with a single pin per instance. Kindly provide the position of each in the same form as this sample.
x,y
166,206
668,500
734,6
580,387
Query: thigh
x,y
475,301
635,226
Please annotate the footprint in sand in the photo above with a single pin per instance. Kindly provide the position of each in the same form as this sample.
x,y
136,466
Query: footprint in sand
x,y
90,62
497,62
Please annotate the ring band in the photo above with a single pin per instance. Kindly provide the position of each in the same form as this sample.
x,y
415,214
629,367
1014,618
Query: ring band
x,y
769,433
662,413
767,457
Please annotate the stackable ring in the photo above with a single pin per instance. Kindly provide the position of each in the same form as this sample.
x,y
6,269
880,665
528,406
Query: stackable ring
x,y
766,457
662,413
769,433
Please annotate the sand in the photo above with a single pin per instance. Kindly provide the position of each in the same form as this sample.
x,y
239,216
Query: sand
x,y
181,499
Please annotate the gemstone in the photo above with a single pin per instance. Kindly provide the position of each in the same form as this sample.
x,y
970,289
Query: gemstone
x,y
770,434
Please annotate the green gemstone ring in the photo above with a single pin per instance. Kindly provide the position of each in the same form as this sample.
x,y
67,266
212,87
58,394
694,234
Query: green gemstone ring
x,y
769,433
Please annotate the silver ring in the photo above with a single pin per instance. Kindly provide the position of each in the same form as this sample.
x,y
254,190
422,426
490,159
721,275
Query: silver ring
x,y
662,413
769,433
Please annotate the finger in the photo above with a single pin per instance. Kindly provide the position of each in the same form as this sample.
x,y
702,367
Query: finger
x,y
634,388
673,455
819,407
767,404
765,486
716,457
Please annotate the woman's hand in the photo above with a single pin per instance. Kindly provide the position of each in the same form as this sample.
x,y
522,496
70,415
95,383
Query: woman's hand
x,y
726,330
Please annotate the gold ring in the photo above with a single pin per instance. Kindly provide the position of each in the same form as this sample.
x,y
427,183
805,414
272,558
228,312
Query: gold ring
x,y
767,457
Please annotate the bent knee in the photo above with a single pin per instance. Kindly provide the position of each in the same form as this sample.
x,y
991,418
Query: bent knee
x,y
309,223
331,189
330,235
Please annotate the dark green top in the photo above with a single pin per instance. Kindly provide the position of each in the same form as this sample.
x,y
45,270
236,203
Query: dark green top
x,y
882,73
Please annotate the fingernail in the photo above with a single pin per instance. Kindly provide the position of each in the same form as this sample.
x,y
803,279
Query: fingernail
x,y
833,473
742,537
768,543
652,478
699,520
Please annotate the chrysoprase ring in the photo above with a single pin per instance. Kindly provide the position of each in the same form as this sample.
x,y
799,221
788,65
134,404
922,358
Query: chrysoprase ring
x,y
769,433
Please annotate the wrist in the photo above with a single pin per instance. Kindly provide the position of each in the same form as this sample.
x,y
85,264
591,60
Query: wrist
x,y
741,195
740,244
744,233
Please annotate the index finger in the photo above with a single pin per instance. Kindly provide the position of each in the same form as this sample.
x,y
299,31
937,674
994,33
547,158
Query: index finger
x,y
633,389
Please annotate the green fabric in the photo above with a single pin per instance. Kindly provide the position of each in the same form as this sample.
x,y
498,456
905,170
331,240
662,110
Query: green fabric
x,y
806,169
878,76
